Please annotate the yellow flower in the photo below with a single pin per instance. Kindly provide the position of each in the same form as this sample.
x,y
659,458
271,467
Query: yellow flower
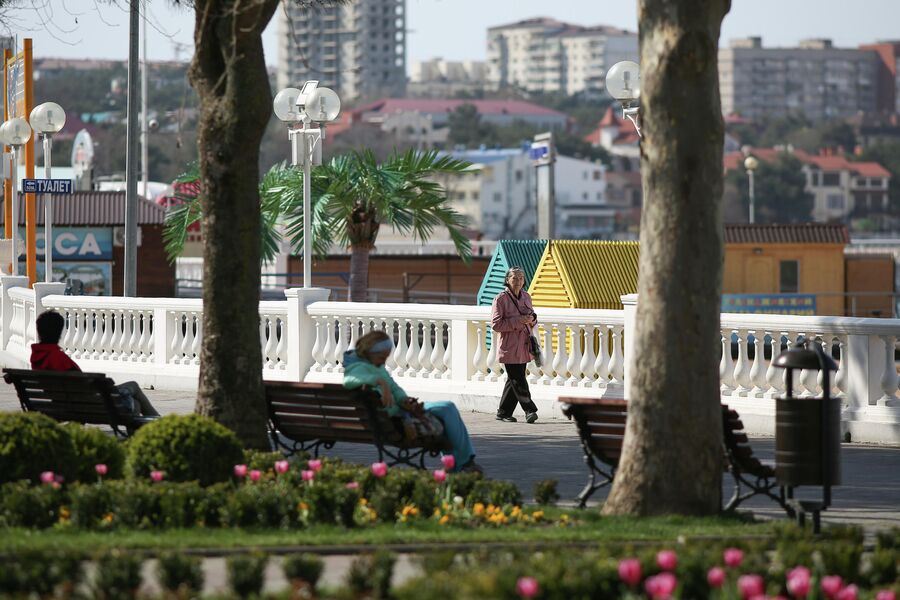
x,y
478,509
363,501
445,506
108,518
515,512
64,514
437,512
537,515
444,520
409,511
303,507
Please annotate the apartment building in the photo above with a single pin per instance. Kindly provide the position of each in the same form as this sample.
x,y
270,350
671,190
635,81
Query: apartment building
x,y
543,55
358,49
815,79
439,78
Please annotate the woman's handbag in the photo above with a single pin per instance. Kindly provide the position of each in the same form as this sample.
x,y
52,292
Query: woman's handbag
x,y
420,427
536,350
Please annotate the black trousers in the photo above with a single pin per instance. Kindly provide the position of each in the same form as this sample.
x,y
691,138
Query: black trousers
x,y
515,392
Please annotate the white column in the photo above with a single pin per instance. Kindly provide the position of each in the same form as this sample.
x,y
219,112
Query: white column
x,y
629,301
41,291
462,347
301,329
863,371
6,304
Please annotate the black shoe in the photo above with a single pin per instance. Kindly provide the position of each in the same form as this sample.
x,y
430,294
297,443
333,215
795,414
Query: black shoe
x,y
531,417
472,467
507,418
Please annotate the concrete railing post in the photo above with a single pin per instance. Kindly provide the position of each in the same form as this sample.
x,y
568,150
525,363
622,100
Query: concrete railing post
x,y
864,369
301,329
6,305
629,302
462,348
162,332
41,291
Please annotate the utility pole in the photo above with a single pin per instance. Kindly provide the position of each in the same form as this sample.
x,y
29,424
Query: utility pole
x,y
131,155
543,153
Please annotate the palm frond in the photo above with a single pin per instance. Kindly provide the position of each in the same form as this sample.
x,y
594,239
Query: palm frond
x,y
178,220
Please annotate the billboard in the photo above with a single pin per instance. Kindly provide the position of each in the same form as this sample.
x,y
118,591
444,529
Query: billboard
x,y
96,277
76,243
770,304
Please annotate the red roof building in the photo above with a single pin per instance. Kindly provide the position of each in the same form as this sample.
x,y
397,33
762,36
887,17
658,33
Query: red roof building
x,y
616,134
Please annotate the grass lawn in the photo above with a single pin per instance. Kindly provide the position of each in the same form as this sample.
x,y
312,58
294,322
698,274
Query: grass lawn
x,y
588,526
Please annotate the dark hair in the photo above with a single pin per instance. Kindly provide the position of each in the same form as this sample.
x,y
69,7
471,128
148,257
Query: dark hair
x,y
49,327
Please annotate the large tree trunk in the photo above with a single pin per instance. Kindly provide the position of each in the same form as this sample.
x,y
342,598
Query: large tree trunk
x,y
362,230
672,458
229,73
359,273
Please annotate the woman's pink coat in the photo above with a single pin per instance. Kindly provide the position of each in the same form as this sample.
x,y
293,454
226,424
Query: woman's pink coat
x,y
515,336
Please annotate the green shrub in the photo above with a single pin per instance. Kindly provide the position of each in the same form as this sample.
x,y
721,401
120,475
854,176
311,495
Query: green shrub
x,y
261,461
25,505
370,575
94,506
545,492
245,573
185,448
261,505
180,573
118,575
499,493
303,568
888,539
93,447
31,444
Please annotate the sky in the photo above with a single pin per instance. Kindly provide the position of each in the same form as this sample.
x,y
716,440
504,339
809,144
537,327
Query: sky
x,y
451,29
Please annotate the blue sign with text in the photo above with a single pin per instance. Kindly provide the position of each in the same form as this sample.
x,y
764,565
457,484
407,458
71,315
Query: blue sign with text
x,y
47,186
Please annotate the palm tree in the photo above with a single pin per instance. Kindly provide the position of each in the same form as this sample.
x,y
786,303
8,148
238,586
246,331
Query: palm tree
x,y
352,196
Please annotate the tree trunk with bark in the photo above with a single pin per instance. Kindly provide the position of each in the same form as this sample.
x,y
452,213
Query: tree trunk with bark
x,y
363,230
228,72
672,457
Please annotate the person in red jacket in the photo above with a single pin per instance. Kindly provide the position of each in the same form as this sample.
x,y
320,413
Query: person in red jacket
x,y
46,355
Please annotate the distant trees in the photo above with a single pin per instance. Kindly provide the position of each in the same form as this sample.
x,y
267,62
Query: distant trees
x,y
780,193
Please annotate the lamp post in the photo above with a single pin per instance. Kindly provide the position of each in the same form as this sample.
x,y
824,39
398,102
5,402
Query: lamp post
x,y
15,133
301,109
751,164
623,82
48,119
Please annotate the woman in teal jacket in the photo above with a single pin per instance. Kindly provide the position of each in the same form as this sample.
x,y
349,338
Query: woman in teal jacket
x,y
365,366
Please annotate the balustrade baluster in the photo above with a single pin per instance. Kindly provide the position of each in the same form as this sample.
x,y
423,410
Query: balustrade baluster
x,y
448,354
187,343
263,339
401,347
108,333
773,373
135,349
269,335
425,366
76,343
69,332
493,361
318,345
412,352
354,331
95,349
281,346
840,378
889,376
148,326
546,355
726,365
123,343
328,348
741,365
559,357
177,320
114,325
343,343
479,357
197,319
601,365
617,358
757,369
437,351
388,328
573,365
809,377
588,357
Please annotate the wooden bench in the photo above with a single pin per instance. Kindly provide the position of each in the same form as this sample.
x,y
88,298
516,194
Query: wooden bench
x,y
74,396
601,429
311,416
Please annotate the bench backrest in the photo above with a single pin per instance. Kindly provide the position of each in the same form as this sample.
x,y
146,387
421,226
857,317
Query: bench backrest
x,y
66,395
328,411
601,425
738,446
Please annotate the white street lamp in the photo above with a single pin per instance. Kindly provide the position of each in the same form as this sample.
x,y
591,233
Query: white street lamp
x,y
750,163
300,109
48,119
623,82
15,133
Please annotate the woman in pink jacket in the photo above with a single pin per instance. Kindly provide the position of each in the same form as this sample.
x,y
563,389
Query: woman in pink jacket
x,y
512,318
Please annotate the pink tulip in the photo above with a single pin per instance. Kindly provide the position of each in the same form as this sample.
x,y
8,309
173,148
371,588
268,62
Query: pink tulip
x,y
831,585
886,595
255,475
798,582
315,464
848,593
47,477
448,461
715,577
661,586
733,557
630,571
751,586
308,475
440,475
353,485
101,469
240,470
527,587
379,469
282,466
667,560
157,476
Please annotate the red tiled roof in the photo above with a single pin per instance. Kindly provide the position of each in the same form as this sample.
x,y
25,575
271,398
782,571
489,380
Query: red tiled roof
x,y
869,169
626,135
807,233
93,208
609,118
484,107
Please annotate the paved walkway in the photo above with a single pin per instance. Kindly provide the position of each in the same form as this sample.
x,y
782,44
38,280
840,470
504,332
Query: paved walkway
x,y
549,449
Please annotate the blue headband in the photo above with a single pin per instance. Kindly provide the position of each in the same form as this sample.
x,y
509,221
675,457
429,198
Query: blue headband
x,y
382,346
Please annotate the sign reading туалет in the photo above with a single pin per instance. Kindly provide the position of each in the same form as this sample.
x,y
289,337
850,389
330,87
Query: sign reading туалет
x,y
47,186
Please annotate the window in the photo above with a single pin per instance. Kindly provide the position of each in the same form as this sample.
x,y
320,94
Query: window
x,y
518,175
835,202
474,195
498,197
789,276
597,175
831,179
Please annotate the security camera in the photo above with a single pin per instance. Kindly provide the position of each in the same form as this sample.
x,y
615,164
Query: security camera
x,y
153,124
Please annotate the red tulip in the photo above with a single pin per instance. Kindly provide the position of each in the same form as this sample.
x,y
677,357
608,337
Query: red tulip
x,y
848,593
886,595
308,475
831,585
715,577
240,470
101,469
157,476
527,587
798,584
667,560
440,475
448,461
661,586
255,475
751,586
47,477
379,469
282,466
315,464
630,571
733,557
353,485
